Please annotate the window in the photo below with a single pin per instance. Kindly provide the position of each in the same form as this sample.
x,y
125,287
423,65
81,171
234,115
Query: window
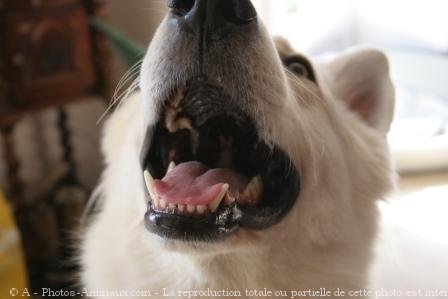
x,y
414,34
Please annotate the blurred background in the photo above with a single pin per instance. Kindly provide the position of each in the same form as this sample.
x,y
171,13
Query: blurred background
x,y
60,64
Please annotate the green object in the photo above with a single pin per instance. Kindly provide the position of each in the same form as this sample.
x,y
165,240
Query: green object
x,y
131,51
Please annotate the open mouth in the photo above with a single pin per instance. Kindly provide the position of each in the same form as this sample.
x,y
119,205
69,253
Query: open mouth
x,y
207,172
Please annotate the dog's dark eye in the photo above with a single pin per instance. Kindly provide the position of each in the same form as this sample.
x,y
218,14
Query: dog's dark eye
x,y
298,69
300,66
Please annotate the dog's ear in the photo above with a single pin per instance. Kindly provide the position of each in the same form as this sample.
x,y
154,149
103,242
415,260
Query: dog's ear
x,y
361,78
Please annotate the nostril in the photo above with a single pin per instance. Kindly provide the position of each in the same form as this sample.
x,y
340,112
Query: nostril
x,y
181,7
212,19
239,11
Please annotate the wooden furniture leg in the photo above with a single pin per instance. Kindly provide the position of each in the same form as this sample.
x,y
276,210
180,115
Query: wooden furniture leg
x,y
14,185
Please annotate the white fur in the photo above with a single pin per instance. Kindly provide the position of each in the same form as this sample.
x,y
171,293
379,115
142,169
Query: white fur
x,y
326,239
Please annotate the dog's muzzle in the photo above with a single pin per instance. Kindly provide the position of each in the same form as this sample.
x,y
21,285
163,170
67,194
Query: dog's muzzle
x,y
207,172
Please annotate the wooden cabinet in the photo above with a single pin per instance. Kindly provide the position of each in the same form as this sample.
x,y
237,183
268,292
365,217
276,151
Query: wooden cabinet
x,y
49,57
46,54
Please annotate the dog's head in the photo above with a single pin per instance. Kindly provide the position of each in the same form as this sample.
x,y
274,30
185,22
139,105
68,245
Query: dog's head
x,y
238,135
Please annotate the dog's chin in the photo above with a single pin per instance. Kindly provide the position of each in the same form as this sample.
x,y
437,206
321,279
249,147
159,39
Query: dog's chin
x,y
239,241
207,172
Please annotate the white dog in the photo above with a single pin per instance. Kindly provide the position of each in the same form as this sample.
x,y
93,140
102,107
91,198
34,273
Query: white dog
x,y
241,168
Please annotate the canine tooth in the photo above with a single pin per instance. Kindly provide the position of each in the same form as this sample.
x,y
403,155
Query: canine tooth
x,y
176,125
253,190
190,209
170,116
201,209
171,112
163,204
181,208
171,167
213,206
172,206
184,123
149,181
178,97
246,196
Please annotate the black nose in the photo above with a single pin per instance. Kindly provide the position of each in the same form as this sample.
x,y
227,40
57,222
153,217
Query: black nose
x,y
216,18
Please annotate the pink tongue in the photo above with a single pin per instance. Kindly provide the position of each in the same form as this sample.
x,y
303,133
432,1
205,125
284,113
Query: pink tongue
x,y
195,184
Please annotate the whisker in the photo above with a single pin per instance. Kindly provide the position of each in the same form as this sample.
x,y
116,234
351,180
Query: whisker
x,y
132,88
125,78
118,96
300,84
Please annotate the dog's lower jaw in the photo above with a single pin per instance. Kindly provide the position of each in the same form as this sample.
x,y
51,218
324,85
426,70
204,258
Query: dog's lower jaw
x,y
158,268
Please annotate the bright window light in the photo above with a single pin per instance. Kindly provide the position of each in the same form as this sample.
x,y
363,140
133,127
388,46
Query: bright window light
x,y
414,34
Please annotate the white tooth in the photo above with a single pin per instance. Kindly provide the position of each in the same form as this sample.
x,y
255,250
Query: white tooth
x,y
171,167
149,181
247,195
163,204
176,125
178,96
253,190
155,201
229,200
181,208
172,206
170,116
171,123
184,123
213,206
201,209
190,209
